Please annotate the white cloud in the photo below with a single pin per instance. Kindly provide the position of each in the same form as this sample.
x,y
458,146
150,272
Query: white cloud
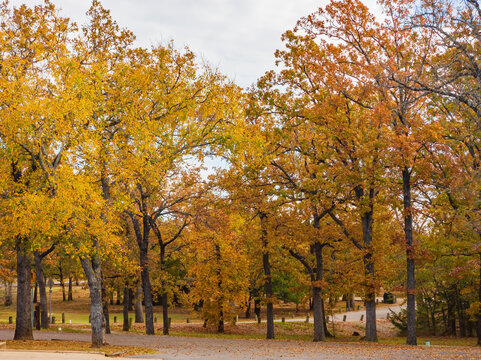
x,y
239,37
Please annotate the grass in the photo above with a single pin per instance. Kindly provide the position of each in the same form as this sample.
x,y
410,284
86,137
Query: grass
x,y
397,340
109,350
77,311
240,336
434,340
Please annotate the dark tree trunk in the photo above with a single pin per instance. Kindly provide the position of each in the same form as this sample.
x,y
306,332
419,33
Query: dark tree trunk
x,y
316,274
469,328
165,314
267,277
143,242
370,297
139,313
257,307
126,326
149,311
105,308
350,302
478,325
70,292
319,319
35,292
248,308
445,320
451,315
23,324
36,316
131,300
319,334
62,282
8,294
411,285
461,317
165,300
220,326
93,273
42,290
433,320
328,334
220,300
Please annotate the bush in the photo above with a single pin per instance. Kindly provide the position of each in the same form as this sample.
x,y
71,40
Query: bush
x,y
399,320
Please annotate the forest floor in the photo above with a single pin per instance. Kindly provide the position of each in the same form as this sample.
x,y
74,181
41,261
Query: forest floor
x,y
244,340
221,348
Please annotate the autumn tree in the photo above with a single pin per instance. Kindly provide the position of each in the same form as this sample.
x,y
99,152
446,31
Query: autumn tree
x,y
252,193
174,110
40,84
454,83
218,264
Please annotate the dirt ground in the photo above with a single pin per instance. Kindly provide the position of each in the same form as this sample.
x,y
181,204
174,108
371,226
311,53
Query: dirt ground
x,y
194,348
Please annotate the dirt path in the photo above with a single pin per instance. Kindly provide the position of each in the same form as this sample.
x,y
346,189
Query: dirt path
x,y
47,355
190,348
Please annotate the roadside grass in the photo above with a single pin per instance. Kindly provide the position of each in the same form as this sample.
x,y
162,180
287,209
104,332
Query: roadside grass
x,y
109,350
77,311
241,336
398,340
434,340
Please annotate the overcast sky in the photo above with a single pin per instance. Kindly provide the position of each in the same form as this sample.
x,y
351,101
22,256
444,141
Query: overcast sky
x,y
237,36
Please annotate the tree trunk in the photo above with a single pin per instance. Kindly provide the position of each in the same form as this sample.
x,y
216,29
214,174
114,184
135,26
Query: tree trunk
x,y
62,282
165,314
328,334
126,326
461,317
370,297
248,308
105,308
445,321
149,311
92,272
35,292
220,326
411,285
478,325
165,300
23,324
433,319
139,313
131,300
70,292
451,316
8,293
267,277
257,307
351,301
42,290
469,328
143,242
319,334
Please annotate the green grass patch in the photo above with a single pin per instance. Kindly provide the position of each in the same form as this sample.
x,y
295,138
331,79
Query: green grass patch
x,y
434,340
